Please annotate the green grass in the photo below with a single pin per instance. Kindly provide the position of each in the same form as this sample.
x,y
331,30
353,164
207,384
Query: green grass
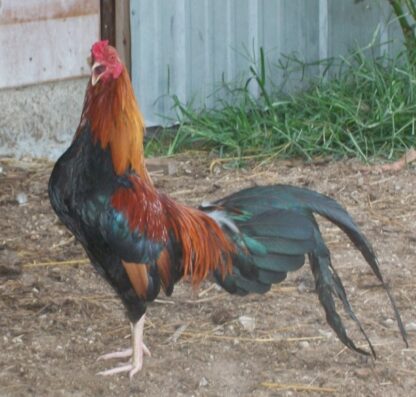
x,y
366,109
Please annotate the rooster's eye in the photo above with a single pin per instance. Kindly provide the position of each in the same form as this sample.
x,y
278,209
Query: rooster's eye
x,y
99,69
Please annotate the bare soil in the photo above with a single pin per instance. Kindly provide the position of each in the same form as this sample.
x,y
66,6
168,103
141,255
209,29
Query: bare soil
x,y
58,316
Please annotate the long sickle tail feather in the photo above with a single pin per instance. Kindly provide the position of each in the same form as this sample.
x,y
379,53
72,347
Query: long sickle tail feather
x,y
328,284
343,220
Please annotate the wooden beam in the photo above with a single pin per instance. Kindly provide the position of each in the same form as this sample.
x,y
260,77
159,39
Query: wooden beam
x,y
123,35
108,20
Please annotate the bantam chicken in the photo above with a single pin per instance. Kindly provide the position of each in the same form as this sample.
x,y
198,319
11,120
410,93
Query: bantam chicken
x,y
140,240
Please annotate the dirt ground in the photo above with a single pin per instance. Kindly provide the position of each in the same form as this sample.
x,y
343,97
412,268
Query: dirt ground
x,y
58,316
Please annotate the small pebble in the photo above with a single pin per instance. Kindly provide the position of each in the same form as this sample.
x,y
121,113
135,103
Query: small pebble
x,y
388,322
326,334
21,198
411,326
302,287
203,382
17,339
248,323
304,344
362,373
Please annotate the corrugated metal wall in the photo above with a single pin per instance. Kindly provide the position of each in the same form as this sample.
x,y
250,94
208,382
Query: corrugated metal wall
x,y
187,47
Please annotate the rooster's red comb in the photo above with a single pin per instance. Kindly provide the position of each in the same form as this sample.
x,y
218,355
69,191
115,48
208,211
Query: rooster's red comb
x,y
98,49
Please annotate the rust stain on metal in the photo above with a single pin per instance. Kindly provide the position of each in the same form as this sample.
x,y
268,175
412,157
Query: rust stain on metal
x,y
23,11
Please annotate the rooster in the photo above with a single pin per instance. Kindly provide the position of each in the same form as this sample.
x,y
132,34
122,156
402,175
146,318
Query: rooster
x,y
140,240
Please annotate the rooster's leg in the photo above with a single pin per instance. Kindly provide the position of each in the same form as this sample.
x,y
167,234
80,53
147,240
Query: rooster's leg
x,y
136,353
120,354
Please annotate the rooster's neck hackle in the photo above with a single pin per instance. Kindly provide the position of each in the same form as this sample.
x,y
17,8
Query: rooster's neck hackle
x,y
117,123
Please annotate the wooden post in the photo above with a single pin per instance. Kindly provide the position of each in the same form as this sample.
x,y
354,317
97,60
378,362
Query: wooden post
x,y
108,20
123,35
115,27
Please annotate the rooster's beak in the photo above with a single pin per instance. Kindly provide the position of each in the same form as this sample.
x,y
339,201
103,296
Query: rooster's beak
x,y
97,71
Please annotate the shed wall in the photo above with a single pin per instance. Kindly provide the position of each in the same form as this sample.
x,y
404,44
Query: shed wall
x,y
44,46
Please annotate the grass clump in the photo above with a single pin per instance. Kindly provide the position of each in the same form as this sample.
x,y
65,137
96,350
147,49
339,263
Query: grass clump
x,y
366,108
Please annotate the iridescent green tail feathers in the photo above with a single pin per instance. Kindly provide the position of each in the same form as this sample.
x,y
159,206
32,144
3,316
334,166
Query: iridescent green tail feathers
x,y
274,228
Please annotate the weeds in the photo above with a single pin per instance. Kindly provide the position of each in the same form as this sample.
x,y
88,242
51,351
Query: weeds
x,y
366,108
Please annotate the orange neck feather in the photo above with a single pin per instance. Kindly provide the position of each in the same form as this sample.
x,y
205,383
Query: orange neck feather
x,y
116,121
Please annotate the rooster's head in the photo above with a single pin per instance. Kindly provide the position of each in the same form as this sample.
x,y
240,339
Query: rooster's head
x,y
105,61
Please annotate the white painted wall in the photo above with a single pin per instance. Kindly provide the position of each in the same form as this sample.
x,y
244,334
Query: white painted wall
x,y
44,45
44,40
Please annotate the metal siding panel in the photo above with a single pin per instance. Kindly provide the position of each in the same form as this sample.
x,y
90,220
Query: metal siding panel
x,y
209,54
197,45
272,23
391,39
145,38
243,48
352,25
230,35
302,24
166,45
309,38
323,28
220,39
292,29
186,47
274,39
221,49
174,48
